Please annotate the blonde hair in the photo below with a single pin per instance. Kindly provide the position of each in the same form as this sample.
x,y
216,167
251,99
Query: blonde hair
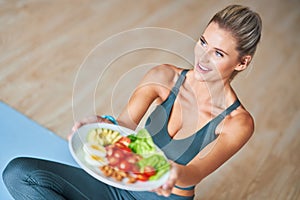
x,y
244,24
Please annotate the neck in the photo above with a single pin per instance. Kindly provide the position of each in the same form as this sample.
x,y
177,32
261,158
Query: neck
x,y
217,93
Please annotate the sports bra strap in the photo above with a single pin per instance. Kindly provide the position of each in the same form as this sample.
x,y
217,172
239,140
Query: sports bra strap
x,y
179,82
231,108
221,116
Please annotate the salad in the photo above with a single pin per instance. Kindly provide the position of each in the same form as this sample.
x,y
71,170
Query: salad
x,y
134,157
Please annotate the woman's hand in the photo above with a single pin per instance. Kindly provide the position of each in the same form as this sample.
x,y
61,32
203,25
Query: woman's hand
x,y
166,189
87,120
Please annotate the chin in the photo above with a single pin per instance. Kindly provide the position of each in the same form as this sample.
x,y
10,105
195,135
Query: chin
x,y
198,76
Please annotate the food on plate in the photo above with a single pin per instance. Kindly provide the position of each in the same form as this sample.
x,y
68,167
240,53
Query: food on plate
x,y
142,143
118,175
94,154
157,163
134,157
103,136
121,157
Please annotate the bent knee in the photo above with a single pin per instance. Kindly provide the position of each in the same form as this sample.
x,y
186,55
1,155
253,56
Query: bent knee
x,y
14,171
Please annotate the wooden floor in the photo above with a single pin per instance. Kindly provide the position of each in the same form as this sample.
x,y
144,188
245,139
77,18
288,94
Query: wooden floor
x,y
49,72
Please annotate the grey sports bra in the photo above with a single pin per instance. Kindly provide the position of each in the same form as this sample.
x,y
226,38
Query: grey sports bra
x,y
181,151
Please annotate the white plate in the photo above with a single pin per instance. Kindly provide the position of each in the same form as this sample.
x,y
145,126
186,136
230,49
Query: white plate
x,y
76,144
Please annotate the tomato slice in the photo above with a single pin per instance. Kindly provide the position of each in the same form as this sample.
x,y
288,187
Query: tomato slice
x,y
142,177
135,169
123,147
149,171
124,140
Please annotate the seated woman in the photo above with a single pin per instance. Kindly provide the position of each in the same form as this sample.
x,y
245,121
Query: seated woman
x,y
199,123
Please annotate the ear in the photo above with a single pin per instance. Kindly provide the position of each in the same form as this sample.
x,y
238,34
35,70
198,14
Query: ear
x,y
245,61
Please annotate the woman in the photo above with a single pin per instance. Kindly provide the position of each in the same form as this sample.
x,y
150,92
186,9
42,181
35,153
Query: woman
x,y
199,123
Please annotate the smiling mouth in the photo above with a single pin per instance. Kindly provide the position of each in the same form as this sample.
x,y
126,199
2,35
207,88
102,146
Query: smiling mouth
x,y
202,68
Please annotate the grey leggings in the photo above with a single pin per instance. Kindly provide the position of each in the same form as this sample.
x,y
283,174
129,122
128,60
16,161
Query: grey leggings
x,y
31,178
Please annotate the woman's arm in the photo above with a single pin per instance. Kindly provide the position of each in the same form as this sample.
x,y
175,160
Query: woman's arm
x,y
235,134
152,87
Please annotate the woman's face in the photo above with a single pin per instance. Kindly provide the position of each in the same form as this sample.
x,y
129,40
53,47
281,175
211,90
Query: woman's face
x,y
216,56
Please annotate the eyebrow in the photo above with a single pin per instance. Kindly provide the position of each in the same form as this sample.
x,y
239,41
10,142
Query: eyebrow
x,y
203,38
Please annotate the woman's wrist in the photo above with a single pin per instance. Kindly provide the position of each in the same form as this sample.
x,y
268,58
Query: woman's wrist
x,y
110,118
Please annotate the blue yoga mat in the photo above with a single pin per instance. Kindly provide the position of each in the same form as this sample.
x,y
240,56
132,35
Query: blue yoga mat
x,y
20,136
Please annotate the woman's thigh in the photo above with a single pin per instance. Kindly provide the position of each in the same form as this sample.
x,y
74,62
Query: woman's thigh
x,y
31,178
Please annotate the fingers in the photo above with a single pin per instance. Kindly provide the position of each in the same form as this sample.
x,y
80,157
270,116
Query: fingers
x,y
166,189
77,125
80,123
87,120
74,129
168,186
70,136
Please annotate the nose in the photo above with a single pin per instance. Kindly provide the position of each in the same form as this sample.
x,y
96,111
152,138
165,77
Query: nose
x,y
204,57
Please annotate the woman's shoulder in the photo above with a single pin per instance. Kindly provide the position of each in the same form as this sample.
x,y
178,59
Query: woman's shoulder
x,y
160,79
164,73
240,124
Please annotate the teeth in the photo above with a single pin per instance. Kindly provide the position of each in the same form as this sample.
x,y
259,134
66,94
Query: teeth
x,y
203,68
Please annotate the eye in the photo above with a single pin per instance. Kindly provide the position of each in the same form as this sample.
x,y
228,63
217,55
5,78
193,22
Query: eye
x,y
219,54
202,42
